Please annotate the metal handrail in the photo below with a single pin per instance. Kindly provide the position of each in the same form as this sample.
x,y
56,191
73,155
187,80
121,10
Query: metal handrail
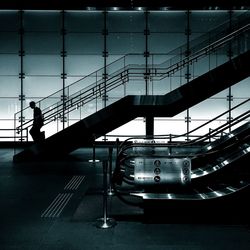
x,y
203,138
213,32
23,138
90,92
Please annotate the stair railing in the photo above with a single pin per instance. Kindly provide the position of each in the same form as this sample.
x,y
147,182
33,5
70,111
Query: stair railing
x,y
95,90
176,140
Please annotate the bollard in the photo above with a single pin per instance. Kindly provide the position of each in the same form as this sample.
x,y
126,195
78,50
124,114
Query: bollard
x,y
94,160
105,222
110,189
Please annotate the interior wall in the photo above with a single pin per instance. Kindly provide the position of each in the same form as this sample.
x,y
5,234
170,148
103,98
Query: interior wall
x,y
32,62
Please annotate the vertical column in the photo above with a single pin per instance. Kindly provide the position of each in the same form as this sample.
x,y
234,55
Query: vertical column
x,y
21,74
105,56
146,53
188,75
149,118
230,55
63,74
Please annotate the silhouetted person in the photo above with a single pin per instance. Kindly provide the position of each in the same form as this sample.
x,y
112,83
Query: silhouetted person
x,y
35,132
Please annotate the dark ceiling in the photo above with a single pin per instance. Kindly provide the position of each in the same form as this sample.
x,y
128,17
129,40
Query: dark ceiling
x,y
123,4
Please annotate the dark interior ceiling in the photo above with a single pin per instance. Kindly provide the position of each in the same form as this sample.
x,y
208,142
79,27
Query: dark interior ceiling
x,y
124,4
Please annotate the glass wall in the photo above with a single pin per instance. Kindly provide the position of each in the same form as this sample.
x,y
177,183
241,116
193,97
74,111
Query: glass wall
x,y
43,53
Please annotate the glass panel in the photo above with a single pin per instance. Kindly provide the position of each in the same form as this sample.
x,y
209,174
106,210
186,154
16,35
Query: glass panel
x,y
204,129
119,43
84,21
136,87
9,106
126,21
241,109
83,64
163,126
7,132
10,65
39,87
241,89
9,20
9,42
10,86
203,21
42,43
209,108
161,87
84,44
163,43
135,127
167,21
43,65
42,21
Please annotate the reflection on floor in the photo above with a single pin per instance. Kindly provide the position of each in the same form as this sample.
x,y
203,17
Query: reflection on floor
x,y
55,205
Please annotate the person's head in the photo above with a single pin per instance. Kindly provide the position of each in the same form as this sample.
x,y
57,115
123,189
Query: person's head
x,y
32,104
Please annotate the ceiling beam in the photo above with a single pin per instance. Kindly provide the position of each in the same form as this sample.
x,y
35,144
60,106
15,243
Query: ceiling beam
x,y
123,4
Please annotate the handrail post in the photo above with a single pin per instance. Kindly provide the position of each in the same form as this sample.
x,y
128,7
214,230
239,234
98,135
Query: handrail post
x,y
105,221
94,160
110,192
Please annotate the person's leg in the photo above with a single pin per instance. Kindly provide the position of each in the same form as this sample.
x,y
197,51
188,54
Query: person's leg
x,y
32,133
35,133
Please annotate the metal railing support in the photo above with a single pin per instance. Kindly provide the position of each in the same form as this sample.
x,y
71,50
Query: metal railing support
x,y
105,221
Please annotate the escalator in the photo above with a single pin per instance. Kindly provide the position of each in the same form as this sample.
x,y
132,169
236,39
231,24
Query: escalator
x,y
170,182
86,130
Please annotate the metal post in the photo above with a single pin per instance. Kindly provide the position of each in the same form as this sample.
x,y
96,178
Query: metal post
x,y
149,119
94,160
105,222
105,55
63,75
230,55
110,192
93,151
188,75
21,74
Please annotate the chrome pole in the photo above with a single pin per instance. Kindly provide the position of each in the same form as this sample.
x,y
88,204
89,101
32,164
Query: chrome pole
x,y
105,222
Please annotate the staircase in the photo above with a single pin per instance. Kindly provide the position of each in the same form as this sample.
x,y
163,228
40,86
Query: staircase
x,y
105,120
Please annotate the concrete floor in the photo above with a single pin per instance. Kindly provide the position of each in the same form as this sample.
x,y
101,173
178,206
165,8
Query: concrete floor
x,y
54,205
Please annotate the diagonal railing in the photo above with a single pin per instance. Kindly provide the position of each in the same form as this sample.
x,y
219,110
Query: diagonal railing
x,y
122,76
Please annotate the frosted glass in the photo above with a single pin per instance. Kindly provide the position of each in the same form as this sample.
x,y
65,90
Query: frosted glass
x,y
241,109
42,43
163,43
129,21
209,108
207,20
133,128
43,65
169,126
204,129
161,87
10,86
9,42
41,86
42,20
135,87
10,65
76,21
241,89
9,106
126,43
84,43
9,20
82,64
167,21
